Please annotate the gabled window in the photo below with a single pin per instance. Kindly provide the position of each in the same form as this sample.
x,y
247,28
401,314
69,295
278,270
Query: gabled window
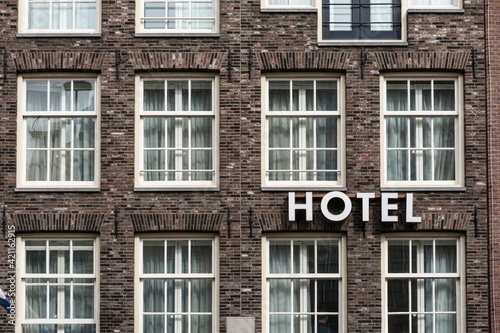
x,y
362,20
59,285
177,285
58,17
303,140
58,126
177,132
422,131
423,284
177,17
304,285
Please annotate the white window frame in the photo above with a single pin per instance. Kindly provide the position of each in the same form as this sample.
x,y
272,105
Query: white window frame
x,y
140,19
459,276
457,4
458,114
339,114
327,41
24,20
341,276
140,183
21,275
288,6
139,276
22,115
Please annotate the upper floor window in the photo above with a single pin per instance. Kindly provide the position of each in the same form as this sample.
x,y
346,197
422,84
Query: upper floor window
x,y
289,4
58,132
423,284
177,132
59,289
422,131
304,285
444,4
362,20
177,285
303,137
48,16
179,16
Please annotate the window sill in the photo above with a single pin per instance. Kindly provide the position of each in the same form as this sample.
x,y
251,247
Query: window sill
x,y
302,189
176,35
58,189
363,43
288,10
435,11
176,189
423,189
58,35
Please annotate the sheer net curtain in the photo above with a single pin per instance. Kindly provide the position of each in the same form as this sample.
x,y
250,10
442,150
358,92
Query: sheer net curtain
x,y
178,143
432,303
432,2
177,304
70,15
420,147
60,148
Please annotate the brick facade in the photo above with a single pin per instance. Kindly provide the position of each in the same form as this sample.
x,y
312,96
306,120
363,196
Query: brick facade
x,y
240,212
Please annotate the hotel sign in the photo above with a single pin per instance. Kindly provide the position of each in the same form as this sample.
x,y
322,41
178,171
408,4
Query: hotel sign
x,y
385,209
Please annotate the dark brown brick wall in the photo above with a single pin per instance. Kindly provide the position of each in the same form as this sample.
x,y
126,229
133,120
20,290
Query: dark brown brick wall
x,y
278,42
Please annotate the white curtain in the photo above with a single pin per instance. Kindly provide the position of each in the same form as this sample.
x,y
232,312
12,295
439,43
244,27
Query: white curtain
x,y
380,15
59,16
341,15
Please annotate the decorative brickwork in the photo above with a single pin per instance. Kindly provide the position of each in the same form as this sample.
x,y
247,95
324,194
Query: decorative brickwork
x,y
418,61
58,222
303,61
200,61
55,61
177,222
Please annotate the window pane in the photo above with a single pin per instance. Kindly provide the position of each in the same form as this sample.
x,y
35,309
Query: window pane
x,y
36,302
279,95
37,129
201,132
398,256
154,323
154,93
280,323
177,257
446,295
177,95
397,96
201,296
83,302
398,296
38,16
201,257
340,15
446,323
328,296
201,323
154,295
279,132
86,16
444,132
36,165
444,95
83,96
398,324
201,95
397,132
420,96
326,132
83,257
444,168
326,96
280,257
303,132
446,256
36,259
279,295
84,133
177,295
36,95
397,165
328,256
153,257
303,97
59,257
62,16
303,257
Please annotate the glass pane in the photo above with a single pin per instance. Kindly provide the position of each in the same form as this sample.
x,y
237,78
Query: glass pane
x,y
36,302
327,160
154,160
420,132
201,257
154,323
280,257
328,295
279,295
59,257
398,260
397,165
279,133
280,323
86,16
326,96
177,132
201,323
154,91
154,132
328,256
303,295
177,257
340,15
420,164
279,95
201,295
444,95
177,323
303,95
328,324
38,16
326,132
177,295
302,323
444,132
177,95
36,95
83,257
201,132
36,165
420,96
154,295
201,95
60,133
202,10
83,302
154,10
444,168
60,165
398,323
380,15
397,96
83,165
446,323
83,96
62,16
153,257
36,257
37,132
446,256
398,299
302,132
397,132
59,98
84,132
446,295
303,257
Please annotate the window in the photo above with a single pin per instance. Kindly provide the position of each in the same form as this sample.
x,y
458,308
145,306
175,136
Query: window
x,y
177,17
423,285
59,289
304,287
178,286
441,4
362,20
289,4
304,131
58,129
177,141
423,131
49,16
